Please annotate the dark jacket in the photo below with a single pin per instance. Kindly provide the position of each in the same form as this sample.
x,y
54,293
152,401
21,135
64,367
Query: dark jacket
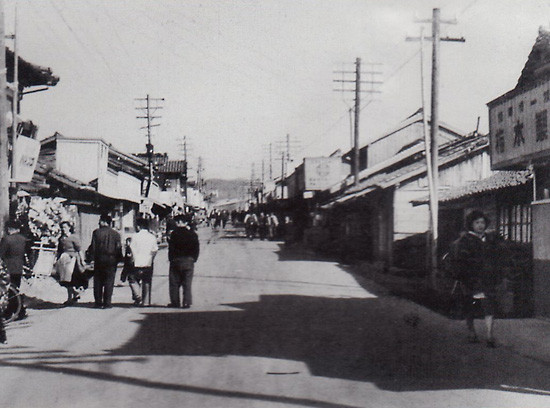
x,y
106,247
481,264
12,252
183,242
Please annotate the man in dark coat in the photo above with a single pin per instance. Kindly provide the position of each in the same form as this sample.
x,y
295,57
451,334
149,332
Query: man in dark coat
x,y
183,252
12,251
106,252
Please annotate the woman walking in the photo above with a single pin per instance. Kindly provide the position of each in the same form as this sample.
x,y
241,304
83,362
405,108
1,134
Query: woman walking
x,y
479,266
70,265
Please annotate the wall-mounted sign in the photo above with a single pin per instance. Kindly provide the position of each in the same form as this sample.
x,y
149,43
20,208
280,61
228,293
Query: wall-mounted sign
x,y
322,172
519,127
26,156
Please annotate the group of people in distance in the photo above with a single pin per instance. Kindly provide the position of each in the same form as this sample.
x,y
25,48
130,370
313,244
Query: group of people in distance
x,y
106,251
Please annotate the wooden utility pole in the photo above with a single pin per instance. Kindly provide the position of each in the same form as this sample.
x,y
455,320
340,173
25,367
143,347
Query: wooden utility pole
x,y
199,174
356,123
15,101
186,167
282,175
4,176
432,147
149,110
357,109
270,161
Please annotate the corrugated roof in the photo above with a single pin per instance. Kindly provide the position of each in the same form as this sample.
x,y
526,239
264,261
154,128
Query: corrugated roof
x,y
499,180
452,152
172,166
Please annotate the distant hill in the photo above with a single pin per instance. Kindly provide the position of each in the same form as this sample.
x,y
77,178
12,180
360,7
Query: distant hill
x,y
228,189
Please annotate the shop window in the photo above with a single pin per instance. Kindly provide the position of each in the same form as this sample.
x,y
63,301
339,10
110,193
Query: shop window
x,y
541,125
514,222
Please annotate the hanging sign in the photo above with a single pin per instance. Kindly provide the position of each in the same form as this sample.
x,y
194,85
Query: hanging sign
x,y
26,156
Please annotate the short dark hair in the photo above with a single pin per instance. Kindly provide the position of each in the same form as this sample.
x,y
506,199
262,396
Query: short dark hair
x,y
71,226
182,218
142,223
13,224
105,218
475,215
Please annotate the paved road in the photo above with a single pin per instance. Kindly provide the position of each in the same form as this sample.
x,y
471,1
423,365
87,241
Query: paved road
x,y
269,328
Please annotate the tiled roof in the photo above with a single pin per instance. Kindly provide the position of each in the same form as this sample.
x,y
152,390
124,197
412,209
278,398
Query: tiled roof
x,y
172,166
29,74
498,181
536,67
536,70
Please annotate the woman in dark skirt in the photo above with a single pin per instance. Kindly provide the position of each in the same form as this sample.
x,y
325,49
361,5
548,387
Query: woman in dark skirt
x,y
480,264
70,265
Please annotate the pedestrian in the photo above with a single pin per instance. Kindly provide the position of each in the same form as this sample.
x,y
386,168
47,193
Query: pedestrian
x,y
144,247
272,223
251,225
106,251
480,261
183,252
70,266
13,247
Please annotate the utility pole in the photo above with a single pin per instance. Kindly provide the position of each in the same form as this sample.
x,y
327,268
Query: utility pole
x,y
149,112
199,174
287,146
357,108
282,175
185,167
356,124
252,175
432,147
15,100
263,181
270,161
4,177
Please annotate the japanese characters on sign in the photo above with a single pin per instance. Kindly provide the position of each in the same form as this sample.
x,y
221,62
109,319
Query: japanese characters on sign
x,y
518,125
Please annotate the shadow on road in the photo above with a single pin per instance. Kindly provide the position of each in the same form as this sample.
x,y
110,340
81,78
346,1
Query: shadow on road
x,y
356,339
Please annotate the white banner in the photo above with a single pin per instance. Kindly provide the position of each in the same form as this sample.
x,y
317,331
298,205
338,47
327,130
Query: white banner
x,y
26,156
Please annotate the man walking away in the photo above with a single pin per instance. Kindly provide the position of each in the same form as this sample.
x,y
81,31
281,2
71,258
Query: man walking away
x,y
183,252
144,248
106,251
12,252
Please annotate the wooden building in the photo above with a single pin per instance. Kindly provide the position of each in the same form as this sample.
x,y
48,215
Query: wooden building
x,y
375,218
519,134
117,177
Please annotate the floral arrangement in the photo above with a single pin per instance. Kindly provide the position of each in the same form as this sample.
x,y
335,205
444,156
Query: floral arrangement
x,y
45,216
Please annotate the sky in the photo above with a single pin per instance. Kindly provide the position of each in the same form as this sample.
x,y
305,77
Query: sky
x,y
237,76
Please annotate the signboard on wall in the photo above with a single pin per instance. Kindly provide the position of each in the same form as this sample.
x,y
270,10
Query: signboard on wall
x,y
322,172
26,156
519,127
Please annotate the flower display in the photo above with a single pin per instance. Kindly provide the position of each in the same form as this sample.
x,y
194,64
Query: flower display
x,y
45,216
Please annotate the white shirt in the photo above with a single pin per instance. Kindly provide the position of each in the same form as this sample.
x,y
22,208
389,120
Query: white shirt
x,y
144,247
